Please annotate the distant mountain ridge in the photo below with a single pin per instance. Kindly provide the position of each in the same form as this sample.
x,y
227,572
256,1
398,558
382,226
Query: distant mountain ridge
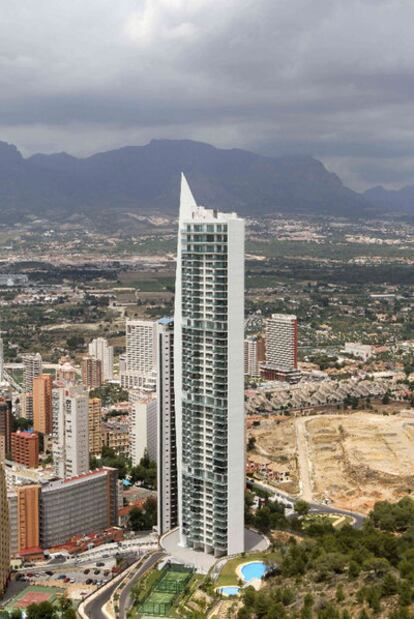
x,y
392,199
145,179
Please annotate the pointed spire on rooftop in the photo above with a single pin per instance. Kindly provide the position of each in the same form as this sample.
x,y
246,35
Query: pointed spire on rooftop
x,y
187,201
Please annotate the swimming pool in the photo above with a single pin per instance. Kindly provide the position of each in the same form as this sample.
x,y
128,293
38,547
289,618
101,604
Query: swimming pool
x,y
253,570
229,591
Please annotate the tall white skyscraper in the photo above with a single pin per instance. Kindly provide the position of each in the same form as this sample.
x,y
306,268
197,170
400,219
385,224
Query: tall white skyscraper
x,y
167,450
99,349
209,382
140,353
70,431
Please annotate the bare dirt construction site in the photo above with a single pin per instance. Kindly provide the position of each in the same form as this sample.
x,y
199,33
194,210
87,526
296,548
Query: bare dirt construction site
x,y
351,460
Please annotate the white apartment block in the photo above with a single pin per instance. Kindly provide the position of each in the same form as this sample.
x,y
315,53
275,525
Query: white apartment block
x,y
282,342
356,349
140,353
99,349
167,459
70,431
252,356
142,419
208,378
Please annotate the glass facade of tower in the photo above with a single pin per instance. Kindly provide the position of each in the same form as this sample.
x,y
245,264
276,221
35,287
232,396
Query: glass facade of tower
x,y
204,262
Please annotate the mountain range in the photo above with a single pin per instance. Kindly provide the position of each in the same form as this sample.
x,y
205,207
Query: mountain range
x,y
145,180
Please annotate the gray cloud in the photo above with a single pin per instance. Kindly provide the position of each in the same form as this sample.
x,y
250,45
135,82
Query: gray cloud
x,y
331,78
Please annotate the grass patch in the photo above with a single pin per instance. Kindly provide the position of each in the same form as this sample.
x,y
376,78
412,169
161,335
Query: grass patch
x,y
336,520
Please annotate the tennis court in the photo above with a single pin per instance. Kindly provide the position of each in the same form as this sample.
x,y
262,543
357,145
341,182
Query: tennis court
x,y
172,581
34,594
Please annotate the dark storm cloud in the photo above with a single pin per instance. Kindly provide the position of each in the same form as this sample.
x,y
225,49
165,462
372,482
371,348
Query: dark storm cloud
x,y
334,78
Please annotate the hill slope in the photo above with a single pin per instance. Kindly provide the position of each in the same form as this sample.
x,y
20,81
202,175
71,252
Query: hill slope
x,y
401,200
146,179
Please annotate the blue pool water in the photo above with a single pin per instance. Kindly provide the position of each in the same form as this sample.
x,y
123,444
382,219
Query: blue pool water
x,y
255,569
229,591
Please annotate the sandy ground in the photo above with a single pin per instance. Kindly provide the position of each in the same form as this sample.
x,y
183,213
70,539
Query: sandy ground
x,y
277,442
352,460
356,460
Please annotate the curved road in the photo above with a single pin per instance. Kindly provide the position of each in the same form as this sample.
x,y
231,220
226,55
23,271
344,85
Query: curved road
x,y
125,601
315,508
93,609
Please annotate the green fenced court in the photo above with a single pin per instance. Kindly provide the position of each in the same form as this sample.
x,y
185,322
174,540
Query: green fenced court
x,y
172,581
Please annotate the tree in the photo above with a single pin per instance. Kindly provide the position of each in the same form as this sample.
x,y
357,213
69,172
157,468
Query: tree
x,y
302,507
144,518
340,595
44,610
251,443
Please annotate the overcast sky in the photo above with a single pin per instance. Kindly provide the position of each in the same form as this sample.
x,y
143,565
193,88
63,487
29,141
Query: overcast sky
x,y
331,78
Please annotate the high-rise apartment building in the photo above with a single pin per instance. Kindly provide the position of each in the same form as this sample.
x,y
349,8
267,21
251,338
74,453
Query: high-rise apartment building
x,y
281,348
91,372
25,449
99,349
6,426
42,403
32,367
70,431
4,534
27,517
95,426
167,447
143,428
208,377
254,354
140,353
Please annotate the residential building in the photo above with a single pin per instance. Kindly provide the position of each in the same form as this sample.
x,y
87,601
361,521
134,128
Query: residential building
x,y
356,349
116,436
42,404
32,367
91,372
6,426
100,349
70,431
209,378
140,353
167,448
254,354
95,429
27,517
25,448
281,348
50,514
143,428
4,534
66,373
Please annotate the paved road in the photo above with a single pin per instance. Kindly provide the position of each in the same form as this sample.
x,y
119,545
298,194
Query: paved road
x,y
125,601
316,508
93,609
303,460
